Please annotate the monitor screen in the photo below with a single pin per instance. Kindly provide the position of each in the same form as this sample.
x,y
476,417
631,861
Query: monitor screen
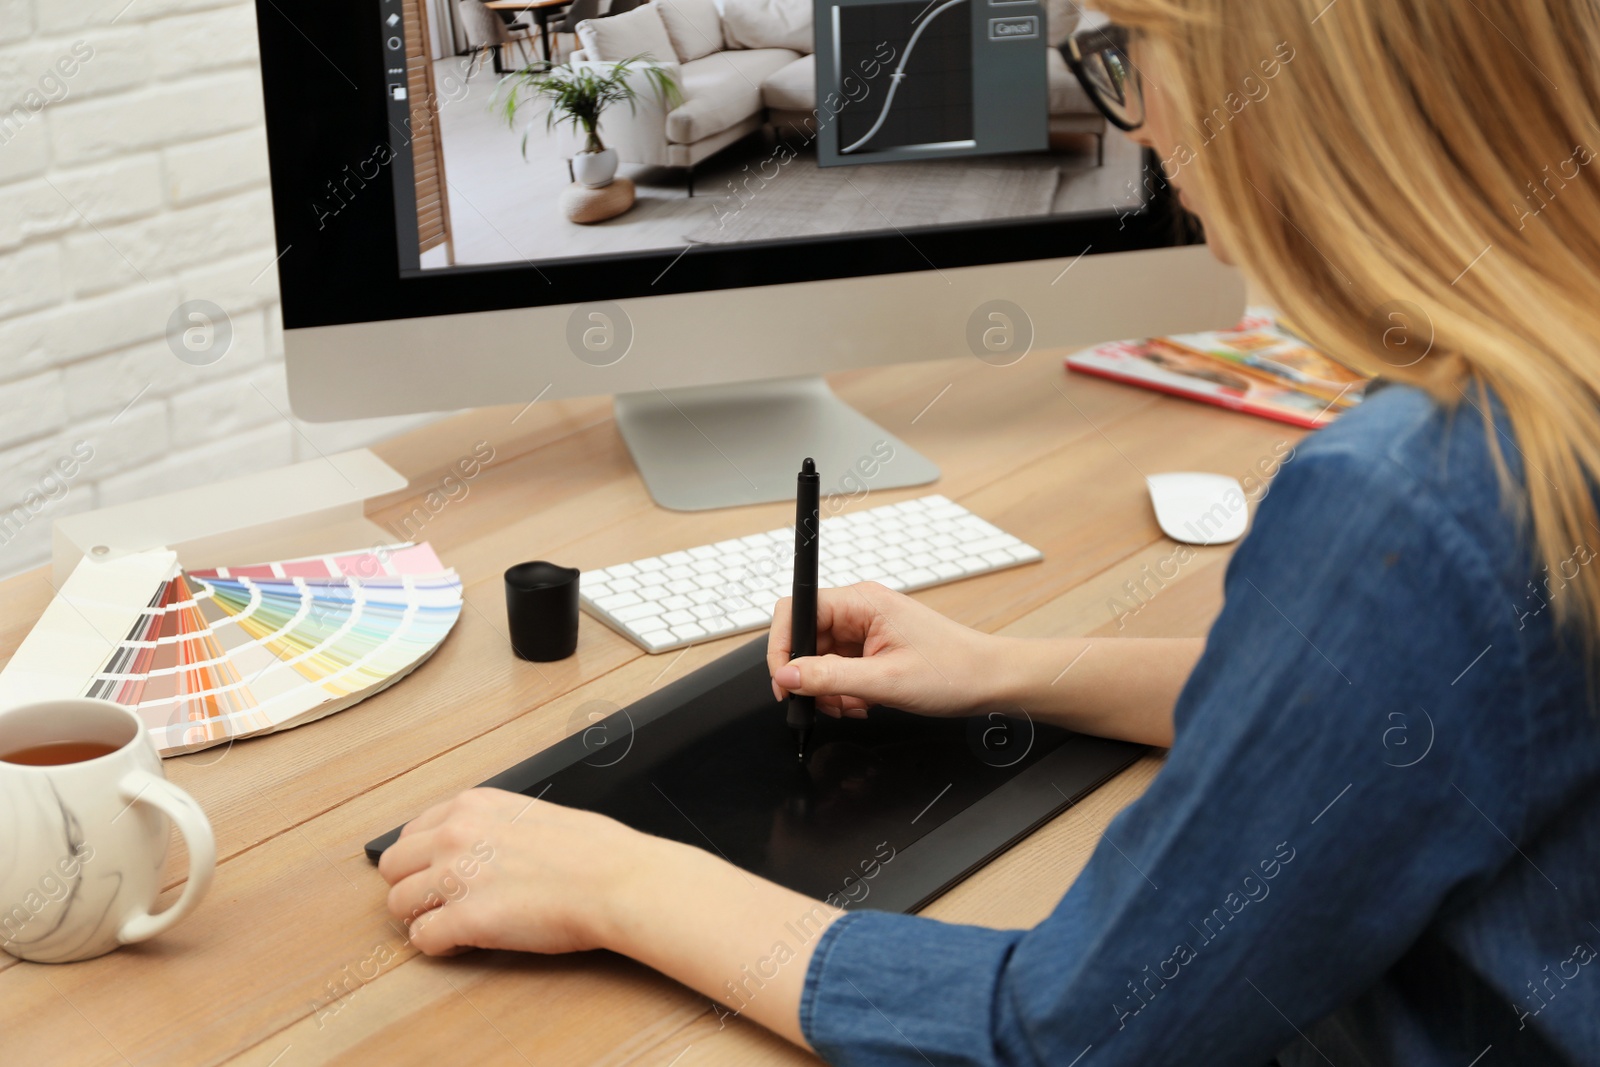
x,y
729,123
427,161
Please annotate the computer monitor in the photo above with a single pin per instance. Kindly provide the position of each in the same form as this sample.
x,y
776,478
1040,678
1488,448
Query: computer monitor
x,y
801,186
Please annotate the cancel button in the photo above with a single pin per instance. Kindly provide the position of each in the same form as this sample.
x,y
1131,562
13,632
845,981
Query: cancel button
x,y
1013,28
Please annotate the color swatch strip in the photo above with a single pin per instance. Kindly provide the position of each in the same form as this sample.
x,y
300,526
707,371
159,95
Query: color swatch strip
x,y
233,652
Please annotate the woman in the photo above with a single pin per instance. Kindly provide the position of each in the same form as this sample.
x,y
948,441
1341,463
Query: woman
x,y
1375,838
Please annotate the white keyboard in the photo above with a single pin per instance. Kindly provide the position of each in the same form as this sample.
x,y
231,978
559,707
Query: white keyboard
x,y
667,602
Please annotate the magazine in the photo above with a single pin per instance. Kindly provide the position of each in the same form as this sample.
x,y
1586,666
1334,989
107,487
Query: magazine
x,y
1266,371
1263,347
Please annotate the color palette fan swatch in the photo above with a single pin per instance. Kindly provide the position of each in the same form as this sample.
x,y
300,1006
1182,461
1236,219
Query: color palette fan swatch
x,y
208,656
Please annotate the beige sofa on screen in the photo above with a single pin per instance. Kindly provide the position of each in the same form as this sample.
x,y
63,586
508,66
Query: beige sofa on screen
x,y
742,66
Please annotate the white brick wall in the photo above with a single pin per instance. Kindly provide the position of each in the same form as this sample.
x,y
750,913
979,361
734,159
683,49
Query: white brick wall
x,y
133,177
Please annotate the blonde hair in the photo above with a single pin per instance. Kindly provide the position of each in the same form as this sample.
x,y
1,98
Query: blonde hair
x,y
1411,187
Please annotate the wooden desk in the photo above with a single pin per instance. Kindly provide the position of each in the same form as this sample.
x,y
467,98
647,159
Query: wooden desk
x,y
292,959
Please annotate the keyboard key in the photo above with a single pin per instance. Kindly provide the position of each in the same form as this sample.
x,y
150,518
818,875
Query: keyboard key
x,y
657,640
618,600
989,544
652,592
677,559
677,603
676,619
651,564
636,612
680,572
750,617
624,585
623,570
920,576
683,585
947,570
704,552
593,589
689,632
999,557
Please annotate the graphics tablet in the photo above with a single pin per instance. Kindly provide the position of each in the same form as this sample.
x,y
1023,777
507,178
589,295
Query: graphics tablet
x,y
887,812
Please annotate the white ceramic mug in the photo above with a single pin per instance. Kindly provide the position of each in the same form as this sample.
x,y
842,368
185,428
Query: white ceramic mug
x,y
82,844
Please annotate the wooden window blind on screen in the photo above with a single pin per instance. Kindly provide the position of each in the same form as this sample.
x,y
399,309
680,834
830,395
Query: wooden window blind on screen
x,y
427,149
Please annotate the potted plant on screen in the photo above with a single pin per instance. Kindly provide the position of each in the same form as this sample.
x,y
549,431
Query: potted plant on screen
x,y
577,97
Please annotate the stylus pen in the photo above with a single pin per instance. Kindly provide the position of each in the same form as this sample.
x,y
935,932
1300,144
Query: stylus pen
x,y
803,605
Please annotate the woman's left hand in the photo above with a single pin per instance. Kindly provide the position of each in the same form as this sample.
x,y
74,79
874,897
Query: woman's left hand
x,y
492,869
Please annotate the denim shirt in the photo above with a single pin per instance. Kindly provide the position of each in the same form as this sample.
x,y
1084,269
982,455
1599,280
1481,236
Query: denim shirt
x,y
1376,839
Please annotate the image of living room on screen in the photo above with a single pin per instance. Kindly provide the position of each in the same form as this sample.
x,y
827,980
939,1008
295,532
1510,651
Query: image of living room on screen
x,y
553,129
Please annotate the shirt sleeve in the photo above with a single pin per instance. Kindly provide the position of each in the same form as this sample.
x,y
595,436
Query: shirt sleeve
x,y
1349,751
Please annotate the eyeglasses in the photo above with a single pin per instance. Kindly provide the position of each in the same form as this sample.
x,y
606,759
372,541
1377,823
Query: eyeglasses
x,y
1098,55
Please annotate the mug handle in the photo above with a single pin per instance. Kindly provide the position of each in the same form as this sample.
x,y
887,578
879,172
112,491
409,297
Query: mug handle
x,y
142,787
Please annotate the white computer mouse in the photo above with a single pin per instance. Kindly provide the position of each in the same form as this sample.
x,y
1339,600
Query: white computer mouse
x,y
1199,508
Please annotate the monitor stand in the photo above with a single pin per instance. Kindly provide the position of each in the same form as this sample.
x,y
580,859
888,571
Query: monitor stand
x,y
723,446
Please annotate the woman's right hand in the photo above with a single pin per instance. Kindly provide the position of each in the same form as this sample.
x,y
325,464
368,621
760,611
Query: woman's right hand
x,y
881,647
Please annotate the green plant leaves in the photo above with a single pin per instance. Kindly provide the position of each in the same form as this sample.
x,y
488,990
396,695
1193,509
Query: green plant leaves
x,y
578,96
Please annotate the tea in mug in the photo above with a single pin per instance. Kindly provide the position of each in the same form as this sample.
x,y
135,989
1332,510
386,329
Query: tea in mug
x,y
54,753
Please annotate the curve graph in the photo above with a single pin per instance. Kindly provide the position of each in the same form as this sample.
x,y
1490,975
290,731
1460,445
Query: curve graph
x,y
931,82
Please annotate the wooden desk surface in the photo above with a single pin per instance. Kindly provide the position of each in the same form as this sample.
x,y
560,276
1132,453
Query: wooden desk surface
x,y
291,959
